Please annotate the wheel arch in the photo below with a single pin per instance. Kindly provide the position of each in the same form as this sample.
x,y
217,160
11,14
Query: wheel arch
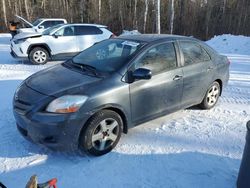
x,y
123,116
118,110
221,85
41,45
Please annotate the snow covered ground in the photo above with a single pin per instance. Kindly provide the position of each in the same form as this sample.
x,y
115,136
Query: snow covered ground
x,y
190,148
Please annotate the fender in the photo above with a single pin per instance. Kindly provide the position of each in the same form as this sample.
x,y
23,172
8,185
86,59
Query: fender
x,y
39,45
120,110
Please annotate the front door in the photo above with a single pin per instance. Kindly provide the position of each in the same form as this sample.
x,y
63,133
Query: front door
x,y
163,92
63,42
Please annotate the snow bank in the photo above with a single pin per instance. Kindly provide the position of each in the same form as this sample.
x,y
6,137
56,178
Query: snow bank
x,y
230,44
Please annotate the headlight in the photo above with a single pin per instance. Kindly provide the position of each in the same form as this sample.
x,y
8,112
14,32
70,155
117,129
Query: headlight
x,y
19,41
66,104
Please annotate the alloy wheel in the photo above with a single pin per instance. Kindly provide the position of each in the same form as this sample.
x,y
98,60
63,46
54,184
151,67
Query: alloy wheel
x,y
40,56
105,134
212,95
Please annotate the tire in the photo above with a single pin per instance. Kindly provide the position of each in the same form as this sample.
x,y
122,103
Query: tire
x,y
101,133
39,56
211,97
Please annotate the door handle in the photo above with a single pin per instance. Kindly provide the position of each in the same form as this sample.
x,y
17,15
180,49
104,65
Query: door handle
x,y
209,69
177,77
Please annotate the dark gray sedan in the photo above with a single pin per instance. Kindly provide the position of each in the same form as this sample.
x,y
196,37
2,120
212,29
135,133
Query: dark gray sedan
x,y
88,101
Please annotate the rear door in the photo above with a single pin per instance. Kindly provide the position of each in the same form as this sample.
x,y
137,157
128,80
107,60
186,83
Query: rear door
x,y
63,42
87,36
197,72
162,93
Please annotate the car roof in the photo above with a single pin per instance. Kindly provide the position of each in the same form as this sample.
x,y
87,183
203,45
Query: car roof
x,y
85,24
51,19
155,37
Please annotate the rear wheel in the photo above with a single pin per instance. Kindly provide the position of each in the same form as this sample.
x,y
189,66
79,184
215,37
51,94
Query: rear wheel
x,y
101,133
211,96
38,56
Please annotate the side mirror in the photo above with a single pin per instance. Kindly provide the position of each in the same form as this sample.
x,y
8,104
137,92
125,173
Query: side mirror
x,y
142,74
40,27
56,35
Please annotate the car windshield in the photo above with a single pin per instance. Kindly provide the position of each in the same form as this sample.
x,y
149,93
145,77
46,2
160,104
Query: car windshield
x,y
109,55
35,23
51,29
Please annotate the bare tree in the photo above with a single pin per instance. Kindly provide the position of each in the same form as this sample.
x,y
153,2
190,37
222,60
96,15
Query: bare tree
x,y
135,15
145,16
81,9
200,18
4,13
99,10
158,16
172,17
26,9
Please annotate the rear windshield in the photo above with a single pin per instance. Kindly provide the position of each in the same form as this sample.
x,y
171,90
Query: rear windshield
x,y
109,55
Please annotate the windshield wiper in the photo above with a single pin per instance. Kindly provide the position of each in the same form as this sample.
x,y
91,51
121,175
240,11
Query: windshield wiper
x,y
90,68
86,67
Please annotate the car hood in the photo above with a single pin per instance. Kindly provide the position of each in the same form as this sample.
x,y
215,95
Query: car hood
x,y
27,35
27,30
25,21
59,79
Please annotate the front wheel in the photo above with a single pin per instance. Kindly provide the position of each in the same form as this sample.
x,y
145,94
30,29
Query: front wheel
x,y
38,56
101,133
211,96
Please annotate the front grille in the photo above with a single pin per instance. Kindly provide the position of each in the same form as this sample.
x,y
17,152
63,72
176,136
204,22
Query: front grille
x,y
22,106
25,99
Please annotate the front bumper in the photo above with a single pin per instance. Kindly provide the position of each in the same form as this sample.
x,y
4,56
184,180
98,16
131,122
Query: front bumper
x,y
14,55
55,131
18,51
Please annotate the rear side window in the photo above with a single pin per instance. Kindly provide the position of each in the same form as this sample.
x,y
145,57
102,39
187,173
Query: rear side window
x,y
47,24
57,22
193,52
88,30
158,59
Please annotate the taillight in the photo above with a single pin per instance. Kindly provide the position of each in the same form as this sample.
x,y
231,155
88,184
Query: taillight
x,y
112,36
228,61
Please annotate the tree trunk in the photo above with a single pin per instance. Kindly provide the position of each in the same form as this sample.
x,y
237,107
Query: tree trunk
x,y
99,10
4,13
158,16
81,10
110,6
121,17
242,3
16,7
172,17
224,6
145,16
135,15
208,16
26,9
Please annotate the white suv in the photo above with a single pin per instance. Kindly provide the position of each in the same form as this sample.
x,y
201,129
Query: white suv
x,y
39,25
57,43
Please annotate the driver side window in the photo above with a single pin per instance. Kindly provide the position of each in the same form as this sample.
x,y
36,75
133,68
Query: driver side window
x,y
158,59
66,31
